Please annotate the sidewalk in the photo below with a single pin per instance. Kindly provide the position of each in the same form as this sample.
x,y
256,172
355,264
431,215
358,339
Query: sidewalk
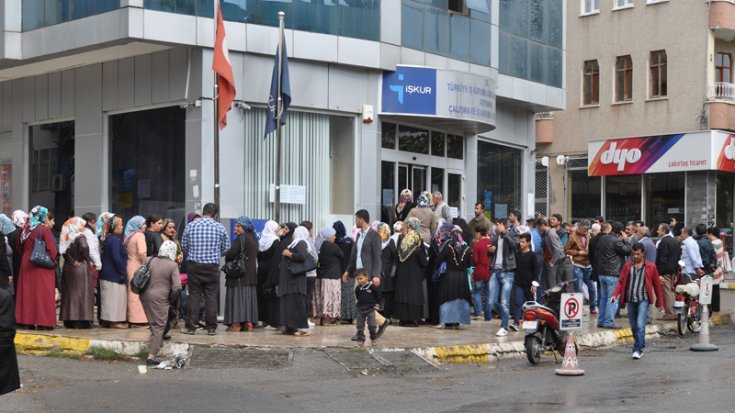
x,y
474,343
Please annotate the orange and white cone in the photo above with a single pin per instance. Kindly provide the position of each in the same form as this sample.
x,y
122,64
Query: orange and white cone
x,y
569,366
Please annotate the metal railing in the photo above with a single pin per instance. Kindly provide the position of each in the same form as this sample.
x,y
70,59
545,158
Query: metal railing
x,y
545,115
721,91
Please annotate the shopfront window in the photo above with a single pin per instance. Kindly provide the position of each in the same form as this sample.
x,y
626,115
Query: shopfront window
x,y
388,136
664,198
437,180
388,182
584,194
412,139
499,174
623,198
147,153
725,207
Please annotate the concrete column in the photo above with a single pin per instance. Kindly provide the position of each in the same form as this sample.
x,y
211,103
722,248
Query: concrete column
x,y
470,178
700,197
91,162
10,29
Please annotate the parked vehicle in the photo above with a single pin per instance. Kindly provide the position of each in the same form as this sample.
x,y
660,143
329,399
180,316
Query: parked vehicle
x,y
688,310
541,324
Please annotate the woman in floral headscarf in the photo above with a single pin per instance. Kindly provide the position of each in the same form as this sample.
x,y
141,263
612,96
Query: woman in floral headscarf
x,y
136,246
389,256
241,297
410,275
425,215
113,276
454,289
35,305
77,300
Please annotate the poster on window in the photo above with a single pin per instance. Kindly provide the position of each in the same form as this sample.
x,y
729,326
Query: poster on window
x,y
6,186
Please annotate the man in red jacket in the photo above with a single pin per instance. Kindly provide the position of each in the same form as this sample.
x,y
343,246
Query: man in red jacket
x,y
638,285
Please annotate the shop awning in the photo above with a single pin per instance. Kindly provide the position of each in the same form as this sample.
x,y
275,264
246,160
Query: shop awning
x,y
694,151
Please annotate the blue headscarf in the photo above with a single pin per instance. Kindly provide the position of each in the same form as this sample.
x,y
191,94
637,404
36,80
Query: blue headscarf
x,y
341,233
247,224
135,224
6,225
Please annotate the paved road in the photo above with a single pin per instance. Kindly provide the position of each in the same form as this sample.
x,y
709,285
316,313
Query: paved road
x,y
669,377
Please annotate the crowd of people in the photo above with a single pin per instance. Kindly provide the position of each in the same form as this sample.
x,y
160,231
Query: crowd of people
x,y
416,268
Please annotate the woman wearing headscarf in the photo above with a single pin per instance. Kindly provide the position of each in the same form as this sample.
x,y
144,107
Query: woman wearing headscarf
x,y
136,247
467,235
9,377
113,276
6,252
77,300
274,277
267,245
19,220
163,290
330,273
241,296
410,276
454,288
425,215
36,290
405,205
348,303
388,259
292,287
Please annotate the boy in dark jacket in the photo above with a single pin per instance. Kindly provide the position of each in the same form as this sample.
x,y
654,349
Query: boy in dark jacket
x,y
368,300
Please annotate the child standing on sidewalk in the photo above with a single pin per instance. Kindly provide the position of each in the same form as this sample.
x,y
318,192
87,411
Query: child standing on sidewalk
x,y
368,299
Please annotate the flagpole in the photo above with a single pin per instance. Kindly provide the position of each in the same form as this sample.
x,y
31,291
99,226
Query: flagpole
x,y
215,121
279,108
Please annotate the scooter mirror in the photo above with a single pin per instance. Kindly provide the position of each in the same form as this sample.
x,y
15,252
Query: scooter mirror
x,y
535,284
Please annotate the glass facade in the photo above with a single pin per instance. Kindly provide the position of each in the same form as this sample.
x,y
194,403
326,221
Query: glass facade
x,y
360,19
42,13
725,207
623,198
531,40
499,173
664,198
428,25
584,194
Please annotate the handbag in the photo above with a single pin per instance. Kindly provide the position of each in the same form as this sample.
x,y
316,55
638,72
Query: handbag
x,y
141,277
236,268
39,255
299,267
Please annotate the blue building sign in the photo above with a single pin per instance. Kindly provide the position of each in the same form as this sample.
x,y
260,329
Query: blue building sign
x,y
410,90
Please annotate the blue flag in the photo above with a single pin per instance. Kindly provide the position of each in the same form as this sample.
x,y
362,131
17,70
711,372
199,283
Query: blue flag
x,y
270,121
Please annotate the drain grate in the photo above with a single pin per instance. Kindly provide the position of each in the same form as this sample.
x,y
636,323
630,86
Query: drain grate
x,y
373,362
240,358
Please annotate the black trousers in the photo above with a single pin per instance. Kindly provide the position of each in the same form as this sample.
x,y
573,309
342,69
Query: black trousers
x,y
203,279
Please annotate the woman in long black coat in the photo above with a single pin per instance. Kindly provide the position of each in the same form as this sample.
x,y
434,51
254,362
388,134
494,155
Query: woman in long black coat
x,y
267,246
292,286
274,277
9,377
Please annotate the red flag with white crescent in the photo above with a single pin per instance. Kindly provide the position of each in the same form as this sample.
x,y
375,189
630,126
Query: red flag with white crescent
x,y
221,64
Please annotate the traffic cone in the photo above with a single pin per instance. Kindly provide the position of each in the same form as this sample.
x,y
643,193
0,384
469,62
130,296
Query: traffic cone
x,y
704,344
569,366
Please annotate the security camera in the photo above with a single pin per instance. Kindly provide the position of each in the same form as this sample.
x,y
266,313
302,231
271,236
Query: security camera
x,y
561,160
241,105
545,161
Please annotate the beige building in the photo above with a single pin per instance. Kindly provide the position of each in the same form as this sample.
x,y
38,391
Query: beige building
x,y
647,133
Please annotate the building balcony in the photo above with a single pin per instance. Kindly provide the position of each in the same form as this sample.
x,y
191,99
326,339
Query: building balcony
x,y
721,106
544,128
722,18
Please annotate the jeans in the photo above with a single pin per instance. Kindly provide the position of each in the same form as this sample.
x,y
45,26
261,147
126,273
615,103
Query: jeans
x,y
500,280
637,314
520,296
479,288
584,275
607,309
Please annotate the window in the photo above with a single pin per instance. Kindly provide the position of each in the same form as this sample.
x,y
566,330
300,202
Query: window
x,y
665,198
658,73
591,85
622,4
590,6
457,6
498,178
412,139
623,197
624,79
388,136
437,144
455,147
723,67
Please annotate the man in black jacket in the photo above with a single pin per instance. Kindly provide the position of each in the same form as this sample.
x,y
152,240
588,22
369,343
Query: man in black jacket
x,y
593,253
667,256
612,250
503,269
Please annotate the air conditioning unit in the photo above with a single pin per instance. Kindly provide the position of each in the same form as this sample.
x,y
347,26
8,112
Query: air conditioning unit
x,y
57,183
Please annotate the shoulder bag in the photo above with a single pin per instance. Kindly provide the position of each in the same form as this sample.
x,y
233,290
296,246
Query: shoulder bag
x,y
296,267
141,278
236,268
39,255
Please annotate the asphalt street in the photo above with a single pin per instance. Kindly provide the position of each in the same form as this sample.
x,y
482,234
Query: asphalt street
x,y
668,378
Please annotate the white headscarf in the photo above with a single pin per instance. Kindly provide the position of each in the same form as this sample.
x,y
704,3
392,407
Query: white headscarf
x,y
19,218
268,236
300,234
168,250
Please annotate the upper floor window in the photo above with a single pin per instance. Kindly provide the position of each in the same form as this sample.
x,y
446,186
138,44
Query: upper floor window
x,y
621,4
623,79
658,73
723,67
457,6
591,84
590,6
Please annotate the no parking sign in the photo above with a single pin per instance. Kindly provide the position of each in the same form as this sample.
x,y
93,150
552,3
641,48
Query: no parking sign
x,y
571,311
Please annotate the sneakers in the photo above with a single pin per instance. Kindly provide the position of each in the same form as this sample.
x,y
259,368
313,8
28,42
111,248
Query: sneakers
x,y
211,332
502,332
153,361
381,328
189,331
477,317
302,333
311,324
637,355
359,338
439,326
514,327
595,311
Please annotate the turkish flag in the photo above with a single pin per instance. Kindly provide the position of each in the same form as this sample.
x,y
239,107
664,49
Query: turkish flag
x,y
221,64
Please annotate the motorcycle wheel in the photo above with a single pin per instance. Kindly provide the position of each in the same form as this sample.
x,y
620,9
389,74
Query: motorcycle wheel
x,y
533,349
681,323
694,323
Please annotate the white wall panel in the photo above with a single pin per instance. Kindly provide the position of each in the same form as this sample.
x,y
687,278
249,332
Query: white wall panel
x,y
126,83
29,94
309,84
54,95
347,89
159,76
109,86
67,93
142,80
41,97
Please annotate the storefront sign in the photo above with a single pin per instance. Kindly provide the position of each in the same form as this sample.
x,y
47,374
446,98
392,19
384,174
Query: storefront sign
x,y
439,93
696,151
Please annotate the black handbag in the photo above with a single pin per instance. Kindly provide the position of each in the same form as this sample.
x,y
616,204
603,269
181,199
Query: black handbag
x,y
299,267
39,255
141,278
236,268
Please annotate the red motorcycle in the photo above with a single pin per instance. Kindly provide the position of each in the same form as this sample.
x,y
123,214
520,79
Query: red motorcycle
x,y
541,324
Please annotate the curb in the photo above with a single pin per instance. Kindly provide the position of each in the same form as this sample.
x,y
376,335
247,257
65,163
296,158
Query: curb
x,y
41,344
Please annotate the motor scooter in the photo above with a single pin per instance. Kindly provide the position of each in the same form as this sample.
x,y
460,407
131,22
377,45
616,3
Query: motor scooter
x,y
688,310
541,324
